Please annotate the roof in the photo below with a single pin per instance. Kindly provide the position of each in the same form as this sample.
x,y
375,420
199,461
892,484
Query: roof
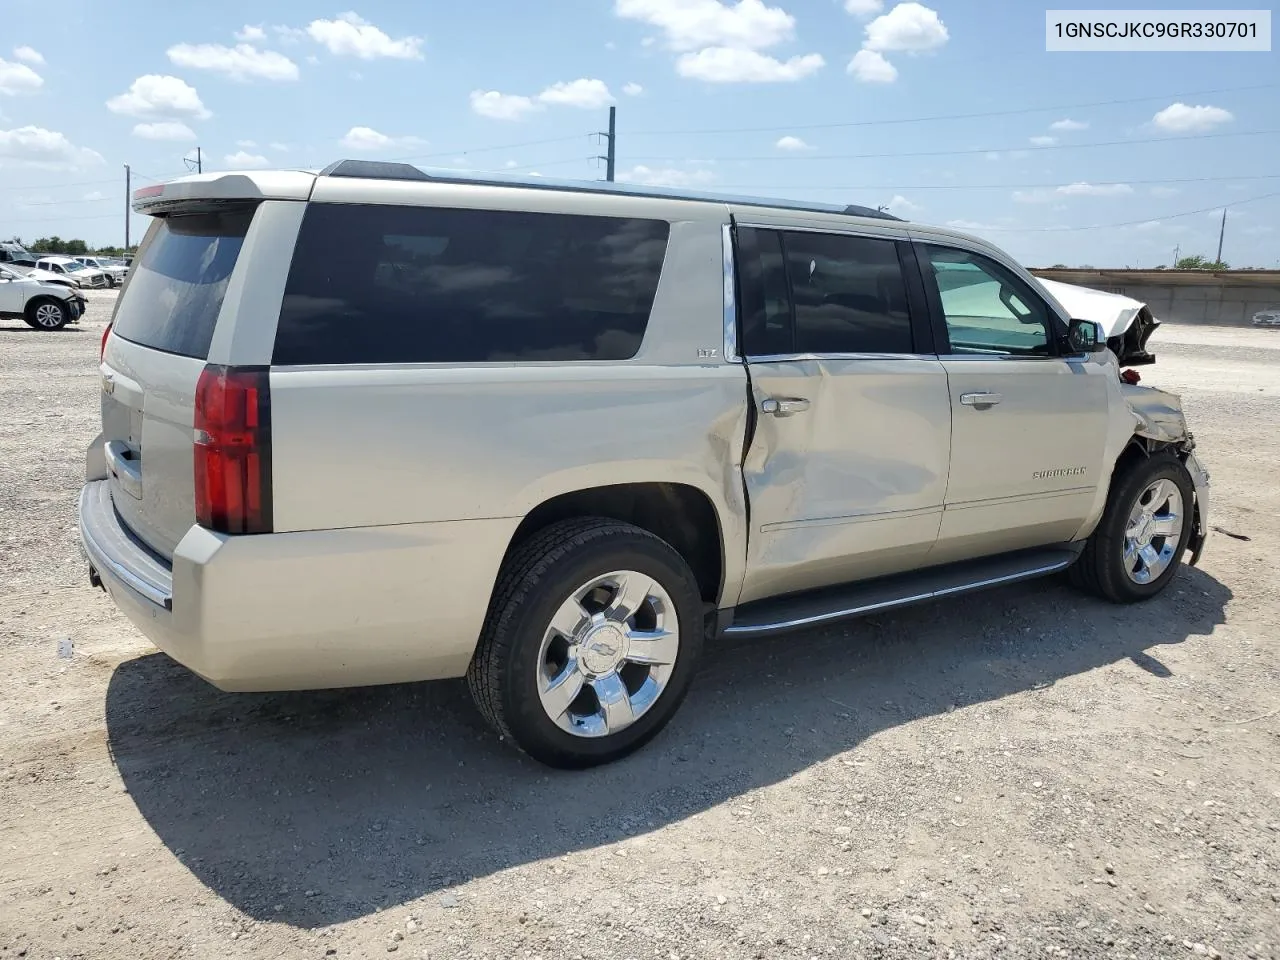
x,y
1166,278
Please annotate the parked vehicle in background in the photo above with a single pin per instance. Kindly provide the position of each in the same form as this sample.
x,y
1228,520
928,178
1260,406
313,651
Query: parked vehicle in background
x,y
51,268
44,306
11,253
1269,317
115,271
596,424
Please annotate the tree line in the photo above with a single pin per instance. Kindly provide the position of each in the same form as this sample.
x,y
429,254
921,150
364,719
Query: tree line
x,y
73,248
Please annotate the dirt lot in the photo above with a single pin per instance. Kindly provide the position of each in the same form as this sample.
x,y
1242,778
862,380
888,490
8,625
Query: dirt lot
x,y
1016,774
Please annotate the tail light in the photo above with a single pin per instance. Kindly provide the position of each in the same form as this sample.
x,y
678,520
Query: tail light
x,y
102,348
233,449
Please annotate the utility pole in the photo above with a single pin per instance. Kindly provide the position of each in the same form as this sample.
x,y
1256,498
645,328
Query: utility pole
x,y
1222,233
1176,250
610,161
128,192
198,161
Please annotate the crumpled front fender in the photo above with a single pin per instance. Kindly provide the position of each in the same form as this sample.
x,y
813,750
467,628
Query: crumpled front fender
x,y
1158,415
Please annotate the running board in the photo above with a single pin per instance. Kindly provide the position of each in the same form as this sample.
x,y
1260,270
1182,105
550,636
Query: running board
x,y
799,610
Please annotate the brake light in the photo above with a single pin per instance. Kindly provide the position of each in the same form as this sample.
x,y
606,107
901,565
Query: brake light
x,y
233,449
102,349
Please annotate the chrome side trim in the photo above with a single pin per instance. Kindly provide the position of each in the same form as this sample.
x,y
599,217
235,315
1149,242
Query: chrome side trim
x,y
903,601
796,357
888,232
731,354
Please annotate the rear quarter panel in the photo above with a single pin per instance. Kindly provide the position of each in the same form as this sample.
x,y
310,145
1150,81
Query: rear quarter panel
x,y
375,445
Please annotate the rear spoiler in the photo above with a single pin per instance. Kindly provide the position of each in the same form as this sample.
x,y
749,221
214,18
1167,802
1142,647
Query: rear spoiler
x,y
161,198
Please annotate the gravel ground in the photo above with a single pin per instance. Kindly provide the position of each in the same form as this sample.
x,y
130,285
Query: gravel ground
x,y
1023,773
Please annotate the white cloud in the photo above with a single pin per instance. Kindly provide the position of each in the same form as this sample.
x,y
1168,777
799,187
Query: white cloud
x,y
1043,141
1180,118
910,27
863,8
1068,125
692,24
352,36
1165,191
585,93
289,34
38,147
737,65
792,144
241,62
154,96
28,55
18,78
245,161
368,139
1032,196
502,106
1082,189
164,130
279,147
870,67
902,207
511,164
95,195
251,34
665,177
246,144
633,89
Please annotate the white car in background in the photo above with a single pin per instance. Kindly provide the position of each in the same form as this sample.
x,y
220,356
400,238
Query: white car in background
x,y
114,270
44,306
1267,317
70,272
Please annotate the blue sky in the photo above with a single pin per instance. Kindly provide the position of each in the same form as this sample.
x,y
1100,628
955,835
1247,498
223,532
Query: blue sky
x,y
765,97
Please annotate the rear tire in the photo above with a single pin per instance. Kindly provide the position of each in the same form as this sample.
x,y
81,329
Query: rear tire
x,y
1137,547
590,644
47,314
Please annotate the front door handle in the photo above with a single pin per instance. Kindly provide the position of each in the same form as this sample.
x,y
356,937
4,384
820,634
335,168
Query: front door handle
x,y
784,406
980,400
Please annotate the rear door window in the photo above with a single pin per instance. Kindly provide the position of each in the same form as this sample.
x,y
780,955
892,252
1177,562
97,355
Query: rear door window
x,y
179,280
391,284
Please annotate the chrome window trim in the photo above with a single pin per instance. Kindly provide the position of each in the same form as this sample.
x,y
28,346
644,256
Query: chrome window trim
x,y
796,357
730,317
890,234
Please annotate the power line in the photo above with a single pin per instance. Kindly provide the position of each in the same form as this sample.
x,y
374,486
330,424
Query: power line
x,y
98,216
63,203
953,116
508,146
60,186
992,186
976,150
1133,223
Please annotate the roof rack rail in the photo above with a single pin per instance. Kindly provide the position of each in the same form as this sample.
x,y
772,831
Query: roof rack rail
x,y
374,170
387,170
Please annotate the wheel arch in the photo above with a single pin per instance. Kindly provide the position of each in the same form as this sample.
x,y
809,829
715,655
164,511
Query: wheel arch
x,y
682,514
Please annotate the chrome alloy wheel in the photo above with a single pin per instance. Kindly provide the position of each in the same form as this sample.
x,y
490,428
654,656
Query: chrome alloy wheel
x,y
608,654
49,316
1154,530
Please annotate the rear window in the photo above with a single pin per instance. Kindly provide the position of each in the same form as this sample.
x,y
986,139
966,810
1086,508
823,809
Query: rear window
x,y
393,284
180,279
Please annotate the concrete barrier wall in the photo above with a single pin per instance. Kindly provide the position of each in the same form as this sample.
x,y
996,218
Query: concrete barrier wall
x,y
1212,304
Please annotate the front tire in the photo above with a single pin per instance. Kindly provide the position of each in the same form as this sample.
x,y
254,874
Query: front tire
x,y
47,315
1137,548
590,644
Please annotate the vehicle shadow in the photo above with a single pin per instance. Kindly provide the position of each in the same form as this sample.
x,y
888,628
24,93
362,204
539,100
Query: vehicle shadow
x,y
316,808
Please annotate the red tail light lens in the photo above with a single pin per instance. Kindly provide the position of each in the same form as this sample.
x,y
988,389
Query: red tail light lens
x,y
233,449
102,348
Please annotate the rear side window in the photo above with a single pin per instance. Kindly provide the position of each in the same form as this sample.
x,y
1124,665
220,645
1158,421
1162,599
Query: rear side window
x,y
393,284
180,279
849,294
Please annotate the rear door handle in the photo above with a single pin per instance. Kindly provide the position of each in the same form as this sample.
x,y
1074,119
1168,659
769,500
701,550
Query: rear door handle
x,y
784,406
980,399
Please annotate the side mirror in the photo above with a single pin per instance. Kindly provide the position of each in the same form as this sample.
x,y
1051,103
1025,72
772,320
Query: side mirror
x,y
1085,336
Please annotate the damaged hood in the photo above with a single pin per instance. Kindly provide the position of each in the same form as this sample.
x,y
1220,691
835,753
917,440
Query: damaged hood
x,y
1126,323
